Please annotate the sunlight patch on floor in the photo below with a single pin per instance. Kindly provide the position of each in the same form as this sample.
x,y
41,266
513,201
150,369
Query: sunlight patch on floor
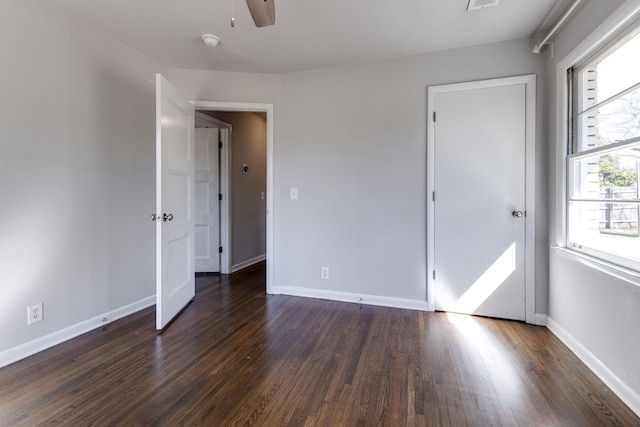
x,y
489,357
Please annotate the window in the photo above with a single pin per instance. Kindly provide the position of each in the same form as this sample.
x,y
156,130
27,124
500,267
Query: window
x,y
604,158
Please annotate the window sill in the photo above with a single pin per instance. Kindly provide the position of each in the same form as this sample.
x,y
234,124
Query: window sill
x,y
623,273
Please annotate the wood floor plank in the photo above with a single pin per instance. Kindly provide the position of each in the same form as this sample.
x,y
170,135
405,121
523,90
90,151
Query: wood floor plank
x,y
236,356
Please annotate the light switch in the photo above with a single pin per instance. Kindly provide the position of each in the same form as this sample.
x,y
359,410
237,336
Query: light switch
x,y
293,193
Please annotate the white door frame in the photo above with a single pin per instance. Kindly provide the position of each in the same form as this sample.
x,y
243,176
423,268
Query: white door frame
x,y
250,107
530,138
225,188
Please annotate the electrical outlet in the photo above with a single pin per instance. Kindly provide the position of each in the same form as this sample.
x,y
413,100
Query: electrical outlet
x,y
324,273
34,313
293,193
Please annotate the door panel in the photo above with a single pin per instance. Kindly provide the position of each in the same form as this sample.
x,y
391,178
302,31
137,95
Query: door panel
x,y
207,212
479,182
175,283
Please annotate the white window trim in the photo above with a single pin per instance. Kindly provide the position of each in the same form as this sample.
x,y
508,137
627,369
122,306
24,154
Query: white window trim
x,y
624,15
605,149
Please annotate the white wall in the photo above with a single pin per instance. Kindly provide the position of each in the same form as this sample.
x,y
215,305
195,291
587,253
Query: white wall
x,y
77,169
593,308
353,141
77,144
224,86
248,208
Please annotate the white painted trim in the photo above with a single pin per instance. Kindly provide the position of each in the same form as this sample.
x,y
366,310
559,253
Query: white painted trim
x,y
562,128
626,394
354,298
269,109
225,212
530,193
622,16
248,263
431,208
530,197
39,344
225,130
625,274
212,121
540,319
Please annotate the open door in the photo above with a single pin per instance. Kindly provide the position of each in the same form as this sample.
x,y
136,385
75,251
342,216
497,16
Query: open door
x,y
175,282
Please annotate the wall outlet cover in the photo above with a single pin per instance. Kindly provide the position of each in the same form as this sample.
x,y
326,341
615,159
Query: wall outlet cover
x,y
34,313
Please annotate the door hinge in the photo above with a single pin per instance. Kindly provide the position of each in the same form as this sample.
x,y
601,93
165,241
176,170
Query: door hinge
x,y
434,116
433,196
220,144
220,249
219,196
434,275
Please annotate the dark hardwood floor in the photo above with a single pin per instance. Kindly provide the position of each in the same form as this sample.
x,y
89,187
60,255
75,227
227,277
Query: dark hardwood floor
x,y
236,356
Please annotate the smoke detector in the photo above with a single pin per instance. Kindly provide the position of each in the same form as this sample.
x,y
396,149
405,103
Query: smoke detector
x,y
210,40
481,4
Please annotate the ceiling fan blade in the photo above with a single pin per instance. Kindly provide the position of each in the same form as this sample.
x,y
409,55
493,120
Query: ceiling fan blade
x,y
263,12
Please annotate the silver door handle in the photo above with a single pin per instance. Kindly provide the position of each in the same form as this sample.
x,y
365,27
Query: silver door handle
x,y
155,217
166,217
517,214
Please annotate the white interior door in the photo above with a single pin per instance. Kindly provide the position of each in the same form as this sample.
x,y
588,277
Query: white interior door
x,y
175,282
207,213
479,183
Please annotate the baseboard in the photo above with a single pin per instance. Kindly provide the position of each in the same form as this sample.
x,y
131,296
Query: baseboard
x,y
30,348
624,392
352,298
247,263
540,319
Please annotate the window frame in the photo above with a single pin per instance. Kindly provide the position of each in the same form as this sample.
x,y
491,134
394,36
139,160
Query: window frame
x,y
575,107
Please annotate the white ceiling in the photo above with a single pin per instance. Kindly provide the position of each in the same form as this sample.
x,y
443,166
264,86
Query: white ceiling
x,y
308,33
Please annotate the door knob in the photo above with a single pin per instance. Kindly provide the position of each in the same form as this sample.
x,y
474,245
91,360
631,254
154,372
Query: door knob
x,y
166,217
517,214
155,217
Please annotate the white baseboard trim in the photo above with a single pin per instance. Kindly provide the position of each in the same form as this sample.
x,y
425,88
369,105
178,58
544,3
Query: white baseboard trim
x,y
247,263
352,298
540,319
30,348
624,392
